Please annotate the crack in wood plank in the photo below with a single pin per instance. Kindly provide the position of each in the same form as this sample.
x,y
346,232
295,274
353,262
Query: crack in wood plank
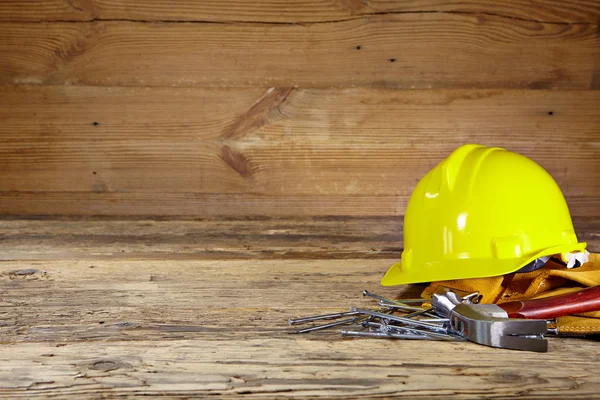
x,y
320,22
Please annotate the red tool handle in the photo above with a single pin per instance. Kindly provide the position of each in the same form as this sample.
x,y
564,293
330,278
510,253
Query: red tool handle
x,y
557,306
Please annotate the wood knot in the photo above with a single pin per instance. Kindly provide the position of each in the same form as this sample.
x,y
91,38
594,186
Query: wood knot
x,y
264,111
355,5
236,160
27,273
107,365
75,46
24,272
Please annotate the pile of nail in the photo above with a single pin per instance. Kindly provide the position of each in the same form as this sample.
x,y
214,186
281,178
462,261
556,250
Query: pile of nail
x,y
394,319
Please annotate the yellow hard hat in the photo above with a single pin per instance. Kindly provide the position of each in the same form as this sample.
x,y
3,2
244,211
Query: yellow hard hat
x,y
484,211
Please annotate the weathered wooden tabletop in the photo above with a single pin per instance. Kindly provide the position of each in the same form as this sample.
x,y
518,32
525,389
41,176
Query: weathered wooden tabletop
x,y
96,308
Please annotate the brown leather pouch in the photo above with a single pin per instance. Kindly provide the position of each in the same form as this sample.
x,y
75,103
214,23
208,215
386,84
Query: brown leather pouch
x,y
554,279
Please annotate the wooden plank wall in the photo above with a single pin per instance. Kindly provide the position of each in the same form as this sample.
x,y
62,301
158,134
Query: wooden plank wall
x,y
285,108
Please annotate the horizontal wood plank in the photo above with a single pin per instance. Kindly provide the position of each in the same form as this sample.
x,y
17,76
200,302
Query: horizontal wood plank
x,y
246,238
217,239
428,50
279,152
207,205
222,205
83,329
291,11
299,368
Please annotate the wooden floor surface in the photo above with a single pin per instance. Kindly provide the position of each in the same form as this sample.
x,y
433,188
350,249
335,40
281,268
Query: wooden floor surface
x,y
99,308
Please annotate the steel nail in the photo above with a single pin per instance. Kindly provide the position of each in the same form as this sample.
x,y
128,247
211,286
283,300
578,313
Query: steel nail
x,y
409,301
299,321
405,329
376,296
427,312
329,325
391,335
400,306
383,335
407,321
399,302
383,327
383,310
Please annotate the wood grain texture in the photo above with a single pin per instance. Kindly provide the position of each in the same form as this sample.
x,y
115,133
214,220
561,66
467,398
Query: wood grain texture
x,y
247,238
426,50
287,11
129,328
278,152
216,239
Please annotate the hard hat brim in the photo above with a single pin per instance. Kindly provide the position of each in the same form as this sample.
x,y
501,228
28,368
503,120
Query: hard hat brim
x,y
467,268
